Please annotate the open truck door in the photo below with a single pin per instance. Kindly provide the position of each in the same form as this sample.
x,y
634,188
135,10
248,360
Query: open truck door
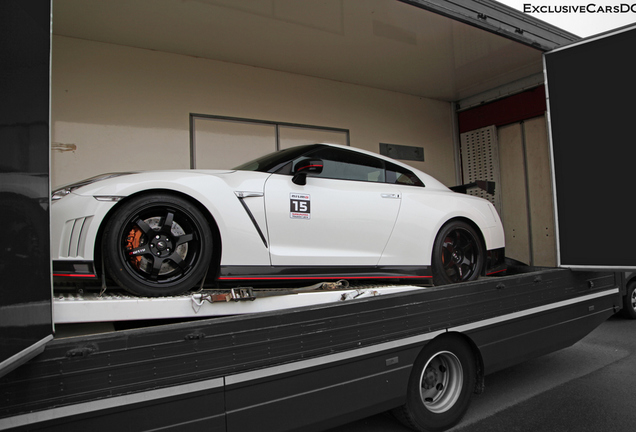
x,y
25,266
591,92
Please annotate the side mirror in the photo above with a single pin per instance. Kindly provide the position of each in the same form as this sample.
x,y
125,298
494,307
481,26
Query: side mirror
x,y
305,167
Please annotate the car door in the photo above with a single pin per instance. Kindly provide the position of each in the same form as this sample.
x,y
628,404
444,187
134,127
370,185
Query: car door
x,y
343,216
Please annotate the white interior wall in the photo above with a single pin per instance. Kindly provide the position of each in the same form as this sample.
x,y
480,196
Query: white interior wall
x,y
116,108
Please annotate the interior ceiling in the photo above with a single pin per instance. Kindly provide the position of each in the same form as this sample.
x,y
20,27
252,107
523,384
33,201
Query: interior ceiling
x,y
382,44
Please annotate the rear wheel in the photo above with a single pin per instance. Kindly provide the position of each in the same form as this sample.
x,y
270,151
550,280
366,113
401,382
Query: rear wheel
x,y
629,301
441,382
157,245
458,255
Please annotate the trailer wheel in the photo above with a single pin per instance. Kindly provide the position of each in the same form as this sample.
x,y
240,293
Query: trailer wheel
x,y
157,245
629,301
440,386
458,255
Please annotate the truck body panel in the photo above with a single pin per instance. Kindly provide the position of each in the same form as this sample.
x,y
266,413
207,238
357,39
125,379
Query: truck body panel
x,y
589,107
271,370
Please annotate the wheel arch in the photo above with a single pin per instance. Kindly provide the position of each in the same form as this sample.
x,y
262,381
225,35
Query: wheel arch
x,y
629,306
479,361
216,253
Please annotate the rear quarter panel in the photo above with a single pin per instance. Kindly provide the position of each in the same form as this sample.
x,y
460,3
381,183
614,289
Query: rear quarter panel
x,y
424,212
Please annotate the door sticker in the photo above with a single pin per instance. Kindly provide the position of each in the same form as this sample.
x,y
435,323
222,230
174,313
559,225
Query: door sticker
x,y
299,206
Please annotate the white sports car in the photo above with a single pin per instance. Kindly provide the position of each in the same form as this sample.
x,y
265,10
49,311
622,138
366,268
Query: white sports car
x,y
311,213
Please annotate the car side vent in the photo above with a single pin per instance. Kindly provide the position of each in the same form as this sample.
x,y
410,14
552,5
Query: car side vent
x,y
75,237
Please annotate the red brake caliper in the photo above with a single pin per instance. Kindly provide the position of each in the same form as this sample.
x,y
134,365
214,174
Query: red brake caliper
x,y
132,242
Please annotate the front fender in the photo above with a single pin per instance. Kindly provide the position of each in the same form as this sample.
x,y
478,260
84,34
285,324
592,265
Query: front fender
x,y
77,218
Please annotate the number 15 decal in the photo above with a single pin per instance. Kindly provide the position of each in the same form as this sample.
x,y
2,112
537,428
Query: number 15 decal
x,y
299,206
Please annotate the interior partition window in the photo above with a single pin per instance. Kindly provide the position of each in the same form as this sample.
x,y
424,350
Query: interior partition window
x,y
218,142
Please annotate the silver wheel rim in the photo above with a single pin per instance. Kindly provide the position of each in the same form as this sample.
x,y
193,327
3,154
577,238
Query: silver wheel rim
x,y
441,382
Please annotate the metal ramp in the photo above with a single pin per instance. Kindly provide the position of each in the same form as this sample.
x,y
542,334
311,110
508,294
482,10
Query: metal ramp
x,y
92,307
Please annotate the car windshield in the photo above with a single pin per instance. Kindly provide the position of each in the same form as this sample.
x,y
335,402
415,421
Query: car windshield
x,y
274,161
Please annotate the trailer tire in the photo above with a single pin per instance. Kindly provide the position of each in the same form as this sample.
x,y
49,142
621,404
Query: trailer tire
x,y
439,389
629,301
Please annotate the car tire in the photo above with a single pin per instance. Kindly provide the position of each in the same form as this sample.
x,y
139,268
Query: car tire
x,y
629,301
157,245
440,386
458,254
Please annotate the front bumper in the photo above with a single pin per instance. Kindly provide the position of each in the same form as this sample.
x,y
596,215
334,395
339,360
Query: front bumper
x,y
74,270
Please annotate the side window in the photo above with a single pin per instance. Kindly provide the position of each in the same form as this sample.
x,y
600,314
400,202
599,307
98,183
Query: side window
x,y
342,164
399,175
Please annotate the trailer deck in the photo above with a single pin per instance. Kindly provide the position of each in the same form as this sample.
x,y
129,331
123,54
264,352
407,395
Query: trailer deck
x,y
89,307
269,370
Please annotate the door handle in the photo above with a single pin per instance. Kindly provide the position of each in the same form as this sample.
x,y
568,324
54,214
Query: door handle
x,y
391,195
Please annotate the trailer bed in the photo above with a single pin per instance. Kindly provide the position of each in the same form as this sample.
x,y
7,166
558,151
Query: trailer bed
x,y
91,307
272,370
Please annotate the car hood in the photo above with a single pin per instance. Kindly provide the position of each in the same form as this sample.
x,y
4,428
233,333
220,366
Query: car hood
x,y
112,182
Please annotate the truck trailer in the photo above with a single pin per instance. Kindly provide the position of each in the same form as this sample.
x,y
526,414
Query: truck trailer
x,y
250,358
421,353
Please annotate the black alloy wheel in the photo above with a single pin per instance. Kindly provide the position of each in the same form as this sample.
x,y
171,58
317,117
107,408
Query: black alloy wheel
x,y
458,255
157,245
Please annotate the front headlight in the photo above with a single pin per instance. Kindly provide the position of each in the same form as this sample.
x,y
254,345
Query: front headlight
x,y
65,190
60,193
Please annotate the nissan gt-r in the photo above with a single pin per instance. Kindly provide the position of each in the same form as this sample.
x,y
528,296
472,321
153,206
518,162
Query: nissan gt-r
x,y
305,214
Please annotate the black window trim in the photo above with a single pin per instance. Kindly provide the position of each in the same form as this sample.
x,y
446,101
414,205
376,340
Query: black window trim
x,y
386,166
